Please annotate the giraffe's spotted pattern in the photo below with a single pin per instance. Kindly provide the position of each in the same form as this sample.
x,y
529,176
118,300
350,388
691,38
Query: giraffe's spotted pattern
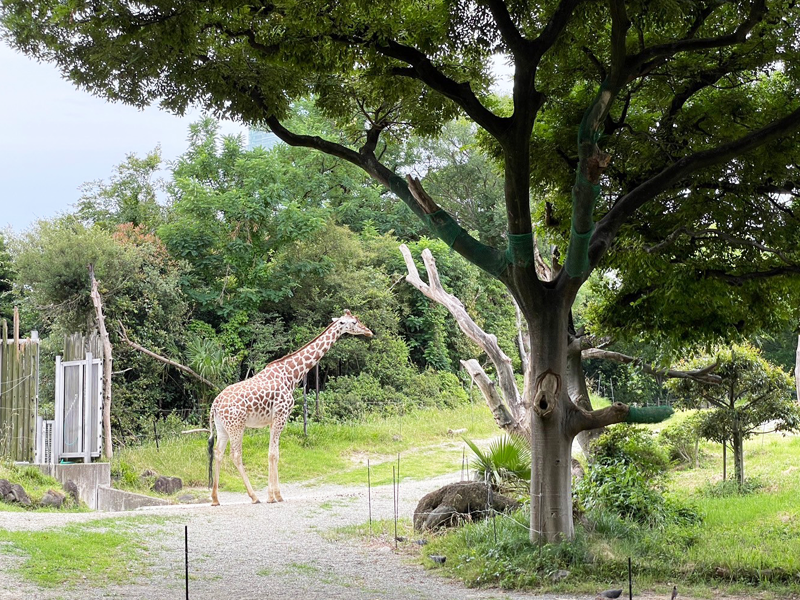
x,y
266,399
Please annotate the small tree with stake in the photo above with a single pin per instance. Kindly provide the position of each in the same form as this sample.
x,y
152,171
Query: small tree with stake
x,y
752,392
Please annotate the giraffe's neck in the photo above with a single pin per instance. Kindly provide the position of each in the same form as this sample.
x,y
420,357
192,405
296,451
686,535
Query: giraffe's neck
x,y
300,362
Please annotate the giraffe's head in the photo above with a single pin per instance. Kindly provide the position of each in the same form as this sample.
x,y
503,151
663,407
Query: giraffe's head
x,y
351,324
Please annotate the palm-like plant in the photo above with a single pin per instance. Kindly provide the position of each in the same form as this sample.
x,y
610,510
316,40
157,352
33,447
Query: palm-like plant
x,y
505,464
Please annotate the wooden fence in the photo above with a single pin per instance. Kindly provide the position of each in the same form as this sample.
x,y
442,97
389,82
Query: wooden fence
x,y
19,394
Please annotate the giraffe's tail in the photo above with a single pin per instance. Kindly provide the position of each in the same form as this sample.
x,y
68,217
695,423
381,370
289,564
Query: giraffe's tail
x,y
211,438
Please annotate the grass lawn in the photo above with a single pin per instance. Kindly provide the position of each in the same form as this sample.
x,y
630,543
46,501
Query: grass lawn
x,y
330,453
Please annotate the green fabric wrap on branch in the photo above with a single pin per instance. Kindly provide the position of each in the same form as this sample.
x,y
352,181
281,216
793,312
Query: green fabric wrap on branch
x,y
520,249
485,257
444,226
577,263
649,414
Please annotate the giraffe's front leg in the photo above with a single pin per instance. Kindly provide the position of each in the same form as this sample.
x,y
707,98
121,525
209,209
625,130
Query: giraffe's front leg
x,y
274,491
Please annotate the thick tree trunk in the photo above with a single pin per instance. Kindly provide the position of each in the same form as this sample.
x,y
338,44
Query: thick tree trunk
x,y
738,457
551,451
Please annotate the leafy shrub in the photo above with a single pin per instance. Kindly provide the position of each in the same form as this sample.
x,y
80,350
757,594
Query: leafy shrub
x,y
626,492
731,487
681,439
621,489
124,474
436,388
505,465
351,397
631,445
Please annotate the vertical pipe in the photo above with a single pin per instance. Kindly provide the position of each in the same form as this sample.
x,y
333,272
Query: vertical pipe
x,y
305,405
630,580
394,494
186,557
87,410
16,402
369,499
58,429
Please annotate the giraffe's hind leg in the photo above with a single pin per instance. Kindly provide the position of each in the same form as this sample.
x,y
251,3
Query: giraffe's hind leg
x,y
236,455
219,452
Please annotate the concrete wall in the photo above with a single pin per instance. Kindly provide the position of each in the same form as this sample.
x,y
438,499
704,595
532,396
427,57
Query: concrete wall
x,y
89,477
115,500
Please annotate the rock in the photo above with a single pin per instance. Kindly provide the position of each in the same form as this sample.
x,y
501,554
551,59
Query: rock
x,y
18,495
148,473
167,485
559,575
5,489
437,558
72,489
457,501
190,499
52,498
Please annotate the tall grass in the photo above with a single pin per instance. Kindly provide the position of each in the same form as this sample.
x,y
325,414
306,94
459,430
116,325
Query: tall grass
x,y
330,452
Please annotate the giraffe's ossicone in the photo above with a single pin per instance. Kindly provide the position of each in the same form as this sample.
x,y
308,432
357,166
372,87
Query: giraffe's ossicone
x,y
266,399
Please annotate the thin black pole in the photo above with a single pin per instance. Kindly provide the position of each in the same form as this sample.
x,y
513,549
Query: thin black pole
x,y
316,398
186,554
305,405
394,493
369,499
155,433
630,580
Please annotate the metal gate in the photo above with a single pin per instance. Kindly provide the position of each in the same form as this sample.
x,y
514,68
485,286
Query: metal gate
x,y
78,423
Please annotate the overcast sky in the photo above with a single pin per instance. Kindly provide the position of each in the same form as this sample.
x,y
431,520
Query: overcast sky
x,y
54,138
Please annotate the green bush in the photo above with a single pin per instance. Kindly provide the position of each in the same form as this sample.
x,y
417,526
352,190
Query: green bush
x,y
436,388
731,487
631,445
681,440
505,465
352,397
624,491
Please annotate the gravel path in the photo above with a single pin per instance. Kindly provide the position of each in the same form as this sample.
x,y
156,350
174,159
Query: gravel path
x,y
244,551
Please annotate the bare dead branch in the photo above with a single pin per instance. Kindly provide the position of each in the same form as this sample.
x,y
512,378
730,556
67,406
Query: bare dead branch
x,y
124,336
486,341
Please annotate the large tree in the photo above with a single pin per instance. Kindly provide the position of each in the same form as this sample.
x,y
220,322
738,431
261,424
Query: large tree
x,y
753,392
660,139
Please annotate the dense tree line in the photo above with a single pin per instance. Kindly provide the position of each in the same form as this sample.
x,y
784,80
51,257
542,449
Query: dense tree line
x,y
230,258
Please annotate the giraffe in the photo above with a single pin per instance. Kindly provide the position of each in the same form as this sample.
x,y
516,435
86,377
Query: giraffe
x,y
266,399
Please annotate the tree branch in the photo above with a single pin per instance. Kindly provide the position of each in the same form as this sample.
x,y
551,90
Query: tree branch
x,y
460,93
584,420
682,168
505,25
704,375
487,342
501,414
124,336
638,63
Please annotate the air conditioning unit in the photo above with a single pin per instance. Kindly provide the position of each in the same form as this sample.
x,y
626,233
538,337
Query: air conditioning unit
x,y
44,441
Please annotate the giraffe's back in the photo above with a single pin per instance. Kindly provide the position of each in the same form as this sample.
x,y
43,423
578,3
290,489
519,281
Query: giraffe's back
x,y
254,402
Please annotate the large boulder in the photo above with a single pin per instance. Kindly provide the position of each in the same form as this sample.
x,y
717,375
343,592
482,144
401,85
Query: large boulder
x,y
13,492
167,485
52,498
72,489
465,500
